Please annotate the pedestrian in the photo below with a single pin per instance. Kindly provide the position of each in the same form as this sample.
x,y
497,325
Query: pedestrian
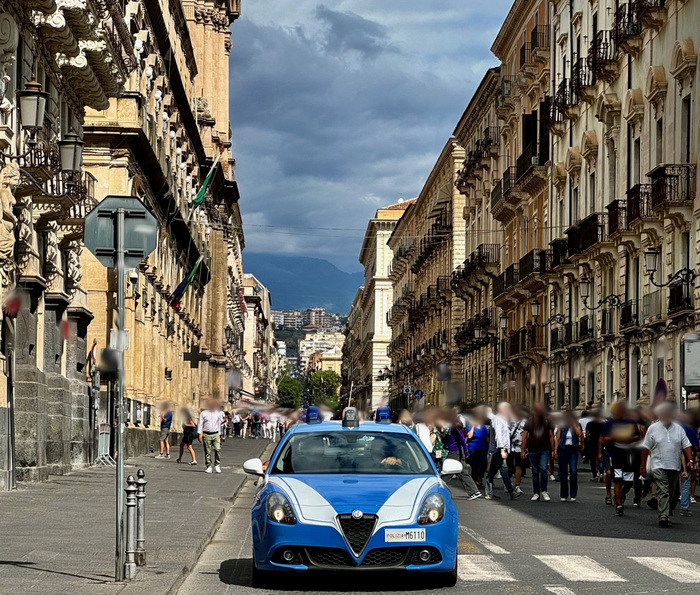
x,y
423,427
458,450
620,435
478,443
537,446
516,464
189,431
236,424
663,447
593,430
686,422
569,441
166,421
499,447
209,428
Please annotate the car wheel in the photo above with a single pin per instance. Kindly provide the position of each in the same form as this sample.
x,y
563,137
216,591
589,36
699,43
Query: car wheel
x,y
449,579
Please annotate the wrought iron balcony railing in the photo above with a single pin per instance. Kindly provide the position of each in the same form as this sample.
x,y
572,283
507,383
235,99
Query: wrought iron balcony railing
x,y
639,203
629,315
617,217
672,185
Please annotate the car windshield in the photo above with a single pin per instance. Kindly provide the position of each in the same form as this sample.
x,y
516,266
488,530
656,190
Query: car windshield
x,y
353,452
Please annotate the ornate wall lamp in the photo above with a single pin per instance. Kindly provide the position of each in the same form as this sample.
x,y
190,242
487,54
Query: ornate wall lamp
x,y
611,300
535,311
651,263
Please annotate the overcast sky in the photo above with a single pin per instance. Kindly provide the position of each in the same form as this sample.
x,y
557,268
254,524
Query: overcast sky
x,y
340,107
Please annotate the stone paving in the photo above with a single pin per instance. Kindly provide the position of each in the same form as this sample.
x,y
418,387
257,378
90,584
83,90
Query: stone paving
x,y
58,536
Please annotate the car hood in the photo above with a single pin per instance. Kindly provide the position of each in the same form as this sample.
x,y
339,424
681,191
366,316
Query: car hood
x,y
320,498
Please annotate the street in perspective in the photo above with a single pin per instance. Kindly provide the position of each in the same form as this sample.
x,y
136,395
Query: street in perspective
x,y
341,296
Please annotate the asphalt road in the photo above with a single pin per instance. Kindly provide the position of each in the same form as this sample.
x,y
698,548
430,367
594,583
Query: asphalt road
x,y
505,548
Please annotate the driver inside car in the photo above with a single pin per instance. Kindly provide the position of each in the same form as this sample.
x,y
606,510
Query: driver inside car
x,y
384,453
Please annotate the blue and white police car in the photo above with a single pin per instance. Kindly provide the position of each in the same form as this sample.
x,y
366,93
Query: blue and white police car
x,y
353,496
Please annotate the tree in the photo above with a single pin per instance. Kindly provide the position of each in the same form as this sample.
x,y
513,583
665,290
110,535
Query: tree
x,y
289,392
325,385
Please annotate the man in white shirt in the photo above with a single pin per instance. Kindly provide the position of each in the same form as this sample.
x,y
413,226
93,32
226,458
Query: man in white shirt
x,y
664,443
209,434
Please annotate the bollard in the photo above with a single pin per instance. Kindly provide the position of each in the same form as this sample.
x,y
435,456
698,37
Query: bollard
x,y
130,564
140,518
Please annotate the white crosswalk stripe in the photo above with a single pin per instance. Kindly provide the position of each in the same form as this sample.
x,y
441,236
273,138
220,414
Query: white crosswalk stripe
x,y
482,569
580,569
678,569
559,590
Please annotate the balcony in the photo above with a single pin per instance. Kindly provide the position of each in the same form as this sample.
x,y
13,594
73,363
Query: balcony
x,y
672,186
525,51
545,266
628,28
560,249
602,56
501,210
639,204
499,286
587,234
539,44
512,277
509,91
527,264
529,268
509,186
582,81
607,323
680,299
489,144
570,333
556,338
617,218
557,109
652,307
629,315
586,328
531,173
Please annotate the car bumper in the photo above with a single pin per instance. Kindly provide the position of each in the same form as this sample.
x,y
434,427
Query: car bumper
x,y
303,541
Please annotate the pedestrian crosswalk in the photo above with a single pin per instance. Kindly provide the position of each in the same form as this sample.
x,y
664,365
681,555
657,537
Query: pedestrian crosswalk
x,y
574,569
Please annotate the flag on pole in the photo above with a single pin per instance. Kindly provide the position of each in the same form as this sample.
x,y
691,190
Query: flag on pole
x,y
181,289
199,199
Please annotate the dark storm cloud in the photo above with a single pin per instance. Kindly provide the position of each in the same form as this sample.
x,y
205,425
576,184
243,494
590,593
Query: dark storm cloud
x,y
340,115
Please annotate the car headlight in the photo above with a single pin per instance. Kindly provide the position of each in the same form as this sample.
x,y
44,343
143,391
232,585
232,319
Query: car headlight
x,y
433,509
279,509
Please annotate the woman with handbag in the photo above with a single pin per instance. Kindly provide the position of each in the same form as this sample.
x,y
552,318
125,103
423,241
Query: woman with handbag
x,y
189,433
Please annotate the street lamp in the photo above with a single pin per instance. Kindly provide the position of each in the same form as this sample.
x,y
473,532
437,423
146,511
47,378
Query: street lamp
x,y
584,285
503,321
71,148
31,104
535,309
651,262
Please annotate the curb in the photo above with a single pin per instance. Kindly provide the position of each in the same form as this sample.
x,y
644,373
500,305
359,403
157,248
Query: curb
x,y
187,570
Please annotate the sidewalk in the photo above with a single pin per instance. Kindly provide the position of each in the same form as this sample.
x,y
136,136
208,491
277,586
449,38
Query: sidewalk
x,y
58,536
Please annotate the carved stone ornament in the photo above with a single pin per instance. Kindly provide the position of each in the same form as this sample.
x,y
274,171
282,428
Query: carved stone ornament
x,y
656,87
9,38
634,108
9,180
683,62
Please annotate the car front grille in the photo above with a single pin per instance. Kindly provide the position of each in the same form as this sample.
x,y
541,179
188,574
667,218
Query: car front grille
x,y
386,557
357,531
327,556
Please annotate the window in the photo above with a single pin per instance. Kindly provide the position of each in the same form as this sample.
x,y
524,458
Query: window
x,y
685,129
659,141
355,452
591,191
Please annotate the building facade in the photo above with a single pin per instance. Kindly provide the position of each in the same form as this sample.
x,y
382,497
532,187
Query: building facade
x,y
259,345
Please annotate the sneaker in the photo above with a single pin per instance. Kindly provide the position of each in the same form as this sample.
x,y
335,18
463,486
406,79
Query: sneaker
x,y
552,478
562,499
535,497
167,456
517,489
217,469
544,496
664,523
474,496
686,512
515,494
619,511
572,499
160,456
636,504
491,497
207,470
692,500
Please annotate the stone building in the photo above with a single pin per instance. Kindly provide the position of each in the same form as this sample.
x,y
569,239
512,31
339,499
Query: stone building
x,y
259,345
56,60
351,369
112,97
428,245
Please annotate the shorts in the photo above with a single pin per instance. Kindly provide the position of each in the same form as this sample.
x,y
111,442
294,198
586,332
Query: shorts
x,y
164,433
622,476
515,460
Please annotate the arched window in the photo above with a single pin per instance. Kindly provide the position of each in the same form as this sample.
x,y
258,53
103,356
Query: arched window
x,y
635,376
609,377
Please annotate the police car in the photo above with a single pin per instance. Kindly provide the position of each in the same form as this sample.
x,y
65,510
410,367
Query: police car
x,y
353,496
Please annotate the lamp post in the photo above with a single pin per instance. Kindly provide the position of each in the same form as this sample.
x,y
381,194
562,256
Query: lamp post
x,y
611,300
535,311
651,261
31,103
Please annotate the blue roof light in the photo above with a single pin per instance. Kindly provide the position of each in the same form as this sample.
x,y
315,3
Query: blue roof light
x,y
383,415
313,415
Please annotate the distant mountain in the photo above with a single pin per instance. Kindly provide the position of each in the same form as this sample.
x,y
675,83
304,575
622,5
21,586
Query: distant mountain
x,y
300,282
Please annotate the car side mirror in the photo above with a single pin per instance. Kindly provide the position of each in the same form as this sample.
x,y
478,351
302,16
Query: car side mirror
x,y
254,467
450,467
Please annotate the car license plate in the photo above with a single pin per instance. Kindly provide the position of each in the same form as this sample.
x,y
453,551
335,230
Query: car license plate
x,y
403,535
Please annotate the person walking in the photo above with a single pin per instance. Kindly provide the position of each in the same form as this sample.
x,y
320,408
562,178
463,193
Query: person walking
x,y
593,430
478,442
166,421
236,424
189,431
458,450
209,435
686,422
620,435
538,443
569,441
516,464
664,446
499,447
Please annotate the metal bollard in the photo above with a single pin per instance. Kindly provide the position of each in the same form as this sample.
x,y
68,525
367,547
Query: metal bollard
x,y
140,518
130,564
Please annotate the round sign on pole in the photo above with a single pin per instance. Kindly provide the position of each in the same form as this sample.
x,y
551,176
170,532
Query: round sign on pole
x,y
418,394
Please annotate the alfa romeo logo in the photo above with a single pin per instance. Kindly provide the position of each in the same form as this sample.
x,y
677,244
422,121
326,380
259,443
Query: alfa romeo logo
x,y
357,514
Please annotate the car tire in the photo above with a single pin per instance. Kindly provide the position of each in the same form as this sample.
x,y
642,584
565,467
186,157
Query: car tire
x,y
260,578
449,579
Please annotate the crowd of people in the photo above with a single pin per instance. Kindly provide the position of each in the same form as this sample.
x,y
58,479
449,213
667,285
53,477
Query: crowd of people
x,y
645,454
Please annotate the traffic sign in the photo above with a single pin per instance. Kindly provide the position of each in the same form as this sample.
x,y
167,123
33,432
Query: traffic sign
x,y
418,394
407,389
140,231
